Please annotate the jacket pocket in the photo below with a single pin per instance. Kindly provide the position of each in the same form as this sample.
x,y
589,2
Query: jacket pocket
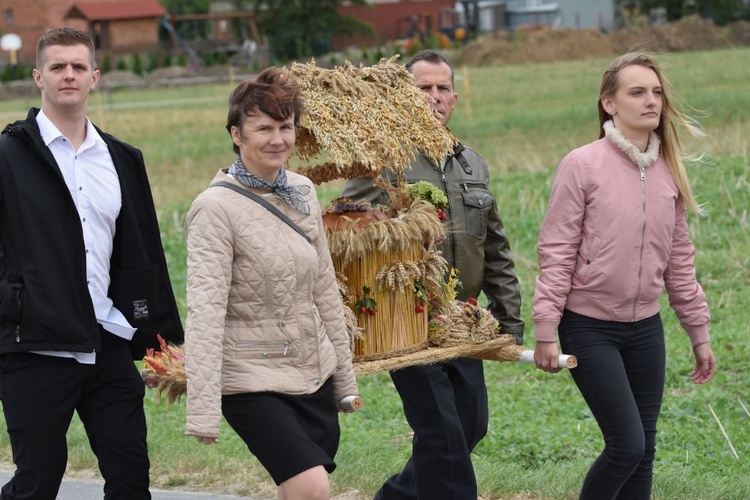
x,y
265,349
587,256
10,308
140,295
477,206
320,327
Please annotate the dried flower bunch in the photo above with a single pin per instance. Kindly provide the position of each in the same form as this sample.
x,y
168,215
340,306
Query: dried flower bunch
x,y
164,370
364,120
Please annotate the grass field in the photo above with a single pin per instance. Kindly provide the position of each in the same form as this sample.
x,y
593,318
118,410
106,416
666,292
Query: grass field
x,y
542,437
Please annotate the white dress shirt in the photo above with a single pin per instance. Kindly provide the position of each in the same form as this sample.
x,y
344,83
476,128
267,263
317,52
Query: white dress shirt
x,y
95,188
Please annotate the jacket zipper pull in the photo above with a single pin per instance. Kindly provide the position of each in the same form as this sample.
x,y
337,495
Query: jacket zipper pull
x,y
643,174
18,333
286,348
466,188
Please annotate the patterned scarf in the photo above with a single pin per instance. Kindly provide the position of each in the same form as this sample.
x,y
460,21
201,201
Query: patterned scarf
x,y
294,195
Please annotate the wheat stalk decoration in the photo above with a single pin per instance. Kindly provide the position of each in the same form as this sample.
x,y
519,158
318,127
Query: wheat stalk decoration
x,y
364,120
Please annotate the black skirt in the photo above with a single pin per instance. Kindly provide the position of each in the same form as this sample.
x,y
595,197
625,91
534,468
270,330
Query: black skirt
x,y
288,434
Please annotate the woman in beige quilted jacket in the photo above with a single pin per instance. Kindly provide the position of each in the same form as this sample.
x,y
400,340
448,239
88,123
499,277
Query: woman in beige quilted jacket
x,y
266,343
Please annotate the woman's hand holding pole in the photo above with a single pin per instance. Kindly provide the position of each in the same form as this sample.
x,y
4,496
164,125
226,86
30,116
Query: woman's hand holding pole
x,y
546,357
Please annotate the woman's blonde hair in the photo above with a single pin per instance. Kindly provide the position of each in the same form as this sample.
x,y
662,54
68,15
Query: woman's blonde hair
x,y
671,117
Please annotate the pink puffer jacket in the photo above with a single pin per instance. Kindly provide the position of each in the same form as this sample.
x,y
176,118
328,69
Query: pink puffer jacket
x,y
615,236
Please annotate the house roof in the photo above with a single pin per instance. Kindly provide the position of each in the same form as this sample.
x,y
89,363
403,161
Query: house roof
x,y
109,11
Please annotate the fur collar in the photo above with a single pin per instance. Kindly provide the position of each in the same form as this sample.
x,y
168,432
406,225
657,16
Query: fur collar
x,y
642,159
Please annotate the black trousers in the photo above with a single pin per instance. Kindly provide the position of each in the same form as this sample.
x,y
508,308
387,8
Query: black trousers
x,y
620,374
39,395
446,407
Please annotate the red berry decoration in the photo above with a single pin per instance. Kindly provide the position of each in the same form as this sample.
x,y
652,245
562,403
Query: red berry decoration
x,y
419,308
472,301
366,305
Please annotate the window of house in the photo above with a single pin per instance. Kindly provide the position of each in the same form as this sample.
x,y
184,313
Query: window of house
x,y
8,16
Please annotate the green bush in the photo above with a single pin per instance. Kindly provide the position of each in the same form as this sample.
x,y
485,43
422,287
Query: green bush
x,y
15,72
151,62
106,63
137,64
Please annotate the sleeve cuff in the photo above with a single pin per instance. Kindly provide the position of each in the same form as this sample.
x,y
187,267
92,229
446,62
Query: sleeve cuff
x,y
545,331
698,334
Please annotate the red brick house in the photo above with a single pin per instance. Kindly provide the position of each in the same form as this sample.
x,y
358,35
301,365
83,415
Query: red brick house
x,y
393,19
116,25
127,27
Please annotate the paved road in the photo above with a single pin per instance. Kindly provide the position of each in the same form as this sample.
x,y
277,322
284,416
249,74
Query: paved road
x,y
87,489
91,489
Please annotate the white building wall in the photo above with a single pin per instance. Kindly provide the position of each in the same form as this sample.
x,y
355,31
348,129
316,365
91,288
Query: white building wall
x,y
578,14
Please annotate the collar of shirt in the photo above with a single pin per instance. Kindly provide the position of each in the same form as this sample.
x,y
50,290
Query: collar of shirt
x,y
50,133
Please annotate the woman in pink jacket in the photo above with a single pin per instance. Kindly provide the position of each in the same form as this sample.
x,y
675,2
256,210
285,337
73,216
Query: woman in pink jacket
x,y
615,236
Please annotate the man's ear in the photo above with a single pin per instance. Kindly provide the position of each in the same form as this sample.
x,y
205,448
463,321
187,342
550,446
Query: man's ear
x,y
37,75
95,78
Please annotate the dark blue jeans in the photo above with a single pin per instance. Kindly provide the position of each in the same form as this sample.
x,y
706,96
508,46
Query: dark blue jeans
x,y
620,374
446,406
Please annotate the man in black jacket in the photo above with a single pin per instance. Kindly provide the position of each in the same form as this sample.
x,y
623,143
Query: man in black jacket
x,y
84,285
446,404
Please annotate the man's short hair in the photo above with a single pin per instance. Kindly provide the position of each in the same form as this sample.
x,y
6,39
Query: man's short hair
x,y
430,56
66,37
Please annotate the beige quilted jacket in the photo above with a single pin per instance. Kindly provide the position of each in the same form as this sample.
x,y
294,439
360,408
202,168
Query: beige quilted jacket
x,y
264,312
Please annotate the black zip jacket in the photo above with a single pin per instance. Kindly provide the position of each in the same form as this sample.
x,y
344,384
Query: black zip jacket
x,y
44,299
476,244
